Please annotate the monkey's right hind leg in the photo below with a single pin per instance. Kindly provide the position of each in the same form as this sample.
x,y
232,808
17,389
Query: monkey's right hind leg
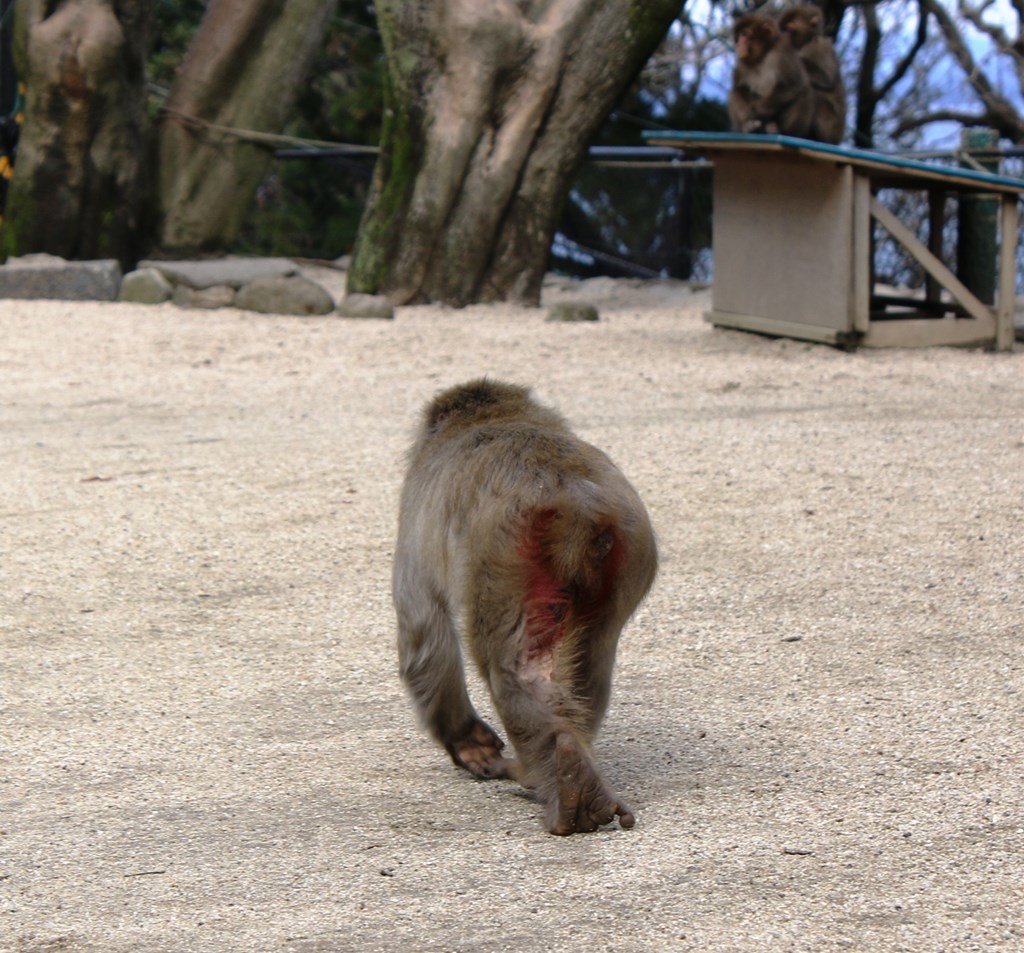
x,y
431,666
581,801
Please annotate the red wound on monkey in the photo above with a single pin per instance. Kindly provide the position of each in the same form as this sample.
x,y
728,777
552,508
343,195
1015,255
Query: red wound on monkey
x,y
547,603
556,600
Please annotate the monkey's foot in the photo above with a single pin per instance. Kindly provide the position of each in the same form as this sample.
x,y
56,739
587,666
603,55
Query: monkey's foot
x,y
581,802
479,752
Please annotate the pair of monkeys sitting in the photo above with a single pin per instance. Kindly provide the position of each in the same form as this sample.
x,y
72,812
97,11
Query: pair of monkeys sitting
x,y
786,79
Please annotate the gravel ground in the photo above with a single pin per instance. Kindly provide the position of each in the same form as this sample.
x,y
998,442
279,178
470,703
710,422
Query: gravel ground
x,y
204,745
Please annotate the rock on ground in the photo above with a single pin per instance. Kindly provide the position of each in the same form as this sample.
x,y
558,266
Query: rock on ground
x,y
569,311
366,306
213,296
232,270
145,286
50,277
284,295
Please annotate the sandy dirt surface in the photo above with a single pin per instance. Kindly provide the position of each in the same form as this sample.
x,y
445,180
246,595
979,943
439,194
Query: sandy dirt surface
x,y
204,746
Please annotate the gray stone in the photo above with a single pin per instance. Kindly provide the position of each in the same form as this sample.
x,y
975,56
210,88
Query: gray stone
x,y
572,311
47,276
145,286
222,271
37,260
286,295
219,296
366,306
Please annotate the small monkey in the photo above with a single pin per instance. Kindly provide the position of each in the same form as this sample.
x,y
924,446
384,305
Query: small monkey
x,y
802,27
770,90
532,545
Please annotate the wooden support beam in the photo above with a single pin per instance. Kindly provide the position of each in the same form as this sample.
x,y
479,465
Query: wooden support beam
x,y
860,267
1009,224
975,308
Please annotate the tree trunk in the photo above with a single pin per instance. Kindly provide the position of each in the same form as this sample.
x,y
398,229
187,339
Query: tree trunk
x,y
78,184
489,108
243,71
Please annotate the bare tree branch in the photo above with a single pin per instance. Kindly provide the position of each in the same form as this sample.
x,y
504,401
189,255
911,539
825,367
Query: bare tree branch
x,y
910,123
1000,113
976,16
904,64
870,94
1003,42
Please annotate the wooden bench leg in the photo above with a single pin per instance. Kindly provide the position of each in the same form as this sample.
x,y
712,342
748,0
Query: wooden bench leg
x,y
1009,224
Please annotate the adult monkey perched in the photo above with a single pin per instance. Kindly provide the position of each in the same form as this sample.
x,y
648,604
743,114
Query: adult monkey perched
x,y
533,545
770,90
802,27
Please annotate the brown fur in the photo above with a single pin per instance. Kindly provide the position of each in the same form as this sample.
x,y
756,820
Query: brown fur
x,y
532,545
802,27
770,90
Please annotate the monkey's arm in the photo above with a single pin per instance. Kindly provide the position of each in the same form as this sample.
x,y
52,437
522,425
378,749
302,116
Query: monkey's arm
x,y
821,65
741,111
791,84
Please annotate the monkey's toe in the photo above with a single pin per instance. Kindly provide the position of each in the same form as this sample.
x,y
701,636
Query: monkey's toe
x,y
479,752
582,803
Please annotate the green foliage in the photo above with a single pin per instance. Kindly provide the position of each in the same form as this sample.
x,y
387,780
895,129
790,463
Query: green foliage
x,y
174,24
307,208
651,217
311,207
343,100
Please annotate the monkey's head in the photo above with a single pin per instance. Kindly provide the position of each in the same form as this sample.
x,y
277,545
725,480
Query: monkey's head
x,y
755,34
801,24
475,401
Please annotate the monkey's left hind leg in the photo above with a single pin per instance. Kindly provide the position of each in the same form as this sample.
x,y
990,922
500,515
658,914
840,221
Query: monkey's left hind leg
x,y
430,663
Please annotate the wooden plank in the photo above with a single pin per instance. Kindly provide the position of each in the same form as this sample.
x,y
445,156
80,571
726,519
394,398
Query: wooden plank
x,y
861,281
926,332
980,312
909,169
784,329
939,309
907,174
1009,224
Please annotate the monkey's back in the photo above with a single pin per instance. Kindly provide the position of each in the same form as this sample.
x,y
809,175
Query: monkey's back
x,y
496,486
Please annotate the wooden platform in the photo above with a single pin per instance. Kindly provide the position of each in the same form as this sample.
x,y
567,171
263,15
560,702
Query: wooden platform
x,y
793,247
